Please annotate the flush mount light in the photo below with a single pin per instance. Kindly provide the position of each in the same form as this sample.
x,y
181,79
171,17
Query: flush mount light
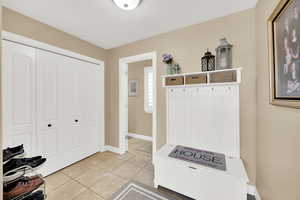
x,y
127,4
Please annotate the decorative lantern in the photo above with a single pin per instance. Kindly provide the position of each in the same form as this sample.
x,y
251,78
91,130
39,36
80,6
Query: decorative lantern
x,y
224,55
208,62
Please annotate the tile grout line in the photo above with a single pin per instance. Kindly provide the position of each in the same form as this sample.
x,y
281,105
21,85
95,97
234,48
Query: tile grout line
x,y
88,188
60,171
123,161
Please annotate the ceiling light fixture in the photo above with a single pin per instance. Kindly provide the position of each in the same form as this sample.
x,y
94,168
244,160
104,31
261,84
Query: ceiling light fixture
x,y
127,4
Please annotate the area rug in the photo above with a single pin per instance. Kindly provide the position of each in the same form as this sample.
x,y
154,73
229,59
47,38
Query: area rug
x,y
138,191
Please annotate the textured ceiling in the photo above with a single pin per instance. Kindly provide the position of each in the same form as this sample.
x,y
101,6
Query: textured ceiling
x,y
101,23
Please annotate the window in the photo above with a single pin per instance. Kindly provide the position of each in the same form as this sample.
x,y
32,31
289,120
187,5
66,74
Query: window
x,y
148,90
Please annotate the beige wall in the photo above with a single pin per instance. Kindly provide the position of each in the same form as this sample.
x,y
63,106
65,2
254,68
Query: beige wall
x,y
278,128
188,45
139,122
17,23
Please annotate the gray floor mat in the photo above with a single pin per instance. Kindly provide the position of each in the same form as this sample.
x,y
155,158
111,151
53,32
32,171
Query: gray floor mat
x,y
201,157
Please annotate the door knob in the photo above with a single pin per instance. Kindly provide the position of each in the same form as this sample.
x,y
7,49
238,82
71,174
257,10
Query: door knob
x,y
49,125
76,120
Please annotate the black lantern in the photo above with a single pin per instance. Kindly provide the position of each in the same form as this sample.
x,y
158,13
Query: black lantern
x,y
208,62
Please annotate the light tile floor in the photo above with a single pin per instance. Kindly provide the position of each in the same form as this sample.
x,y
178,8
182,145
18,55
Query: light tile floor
x,y
101,175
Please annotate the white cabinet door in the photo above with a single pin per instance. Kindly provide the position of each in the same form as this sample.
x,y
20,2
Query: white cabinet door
x,y
19,96
47,122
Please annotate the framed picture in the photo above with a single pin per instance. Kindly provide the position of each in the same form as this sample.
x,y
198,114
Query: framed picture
x,y
284,53
133,88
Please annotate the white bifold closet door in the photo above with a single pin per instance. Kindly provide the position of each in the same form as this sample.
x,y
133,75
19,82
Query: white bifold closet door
x,y
18,81
54,105
47,111
69,109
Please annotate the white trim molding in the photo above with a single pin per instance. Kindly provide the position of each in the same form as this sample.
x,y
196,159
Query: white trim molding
x,y
253,191
123,97
43,46
112,149
139,136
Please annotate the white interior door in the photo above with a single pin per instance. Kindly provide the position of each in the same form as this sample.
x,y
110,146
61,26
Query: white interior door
x,y
52,104
47,121
19,96
90,103
67,109
70,94
80,102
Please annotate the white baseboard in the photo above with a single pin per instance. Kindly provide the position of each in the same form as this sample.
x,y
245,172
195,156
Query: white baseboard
x,y
142,137
112,149
102,149
253,191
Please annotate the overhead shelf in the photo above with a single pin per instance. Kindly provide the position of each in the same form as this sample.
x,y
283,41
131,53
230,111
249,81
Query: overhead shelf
x,y
218,77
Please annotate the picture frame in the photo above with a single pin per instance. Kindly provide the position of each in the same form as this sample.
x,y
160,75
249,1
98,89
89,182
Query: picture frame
x,y
133,88
284,54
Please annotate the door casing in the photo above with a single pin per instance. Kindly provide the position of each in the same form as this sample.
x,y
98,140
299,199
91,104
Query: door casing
x,y
123,98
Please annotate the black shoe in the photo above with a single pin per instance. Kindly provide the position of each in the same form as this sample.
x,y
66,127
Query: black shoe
x,y
13,171
10,153
39,195
21,163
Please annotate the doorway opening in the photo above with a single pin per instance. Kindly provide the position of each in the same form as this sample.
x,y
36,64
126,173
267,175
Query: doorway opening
x,y
129,88
140,107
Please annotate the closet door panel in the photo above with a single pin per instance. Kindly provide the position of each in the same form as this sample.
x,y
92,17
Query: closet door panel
x,y
87,109
47,124
78,79
19,96
96,119
89,104
100,88
66,76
